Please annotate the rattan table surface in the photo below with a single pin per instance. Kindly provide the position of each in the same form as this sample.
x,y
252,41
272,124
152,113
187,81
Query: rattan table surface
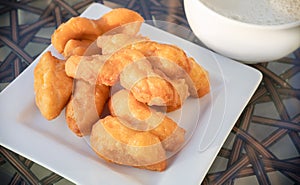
x,y
263,146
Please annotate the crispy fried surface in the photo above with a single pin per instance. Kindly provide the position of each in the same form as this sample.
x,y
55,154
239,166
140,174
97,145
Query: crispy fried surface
x,y
86,68
170,134
103,67
114,65
51,85
155,91
85,106
152,87
81,28
114,142
76,47
72,64
135,114
138,116
165,51
200,78
112,43
164,56
118,17
152,73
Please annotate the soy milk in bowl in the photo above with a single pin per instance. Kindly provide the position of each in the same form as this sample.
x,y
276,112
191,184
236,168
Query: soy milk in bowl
x,y
261,12
249,31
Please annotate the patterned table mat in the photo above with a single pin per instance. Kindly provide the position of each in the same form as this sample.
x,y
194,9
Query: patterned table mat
x,y
262,148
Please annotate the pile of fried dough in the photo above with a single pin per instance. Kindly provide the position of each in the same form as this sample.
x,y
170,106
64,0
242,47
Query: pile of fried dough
x,y
107,63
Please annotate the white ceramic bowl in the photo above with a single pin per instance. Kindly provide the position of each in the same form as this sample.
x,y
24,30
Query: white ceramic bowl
x,y
248,43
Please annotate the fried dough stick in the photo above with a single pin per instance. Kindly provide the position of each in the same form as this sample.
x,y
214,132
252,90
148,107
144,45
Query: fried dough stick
x,y
80,48
137,76
171,52
76,47
52,86
85,107
200,78
138,116
120,20
114,65
116,143
85,67
112,43
81,28
145,84
164,56
106,69
152,86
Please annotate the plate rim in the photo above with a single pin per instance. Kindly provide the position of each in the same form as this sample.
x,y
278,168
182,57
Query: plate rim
x,y
11,85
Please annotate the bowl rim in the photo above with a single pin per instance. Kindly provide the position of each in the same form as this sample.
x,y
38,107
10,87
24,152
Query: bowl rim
x,y
258,26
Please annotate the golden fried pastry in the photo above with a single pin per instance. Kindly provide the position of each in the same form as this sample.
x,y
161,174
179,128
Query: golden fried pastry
x,y
52,86
114,65
72,64
137,76
129,21
164,56
85,106
138,116
114,142
86,68
106,69
166,51
76,47
81,28
149,87
200,78
80,47
147,150
153,74
112,43
156,91
182,90
170,134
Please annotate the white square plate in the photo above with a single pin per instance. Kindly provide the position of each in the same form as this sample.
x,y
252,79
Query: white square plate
x,y
53,145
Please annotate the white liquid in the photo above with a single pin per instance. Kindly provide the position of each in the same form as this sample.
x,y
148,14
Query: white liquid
x,y
263,12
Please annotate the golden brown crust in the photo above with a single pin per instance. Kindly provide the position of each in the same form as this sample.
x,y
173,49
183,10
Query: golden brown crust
x,y
114,142
139,116
51,85
71,120
72,64
156,91
114,65
85,68
166,51
112,43
85,107
171,135
118,17
81,28
162,57
161,166
151,86
76,47
134,134
200,78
